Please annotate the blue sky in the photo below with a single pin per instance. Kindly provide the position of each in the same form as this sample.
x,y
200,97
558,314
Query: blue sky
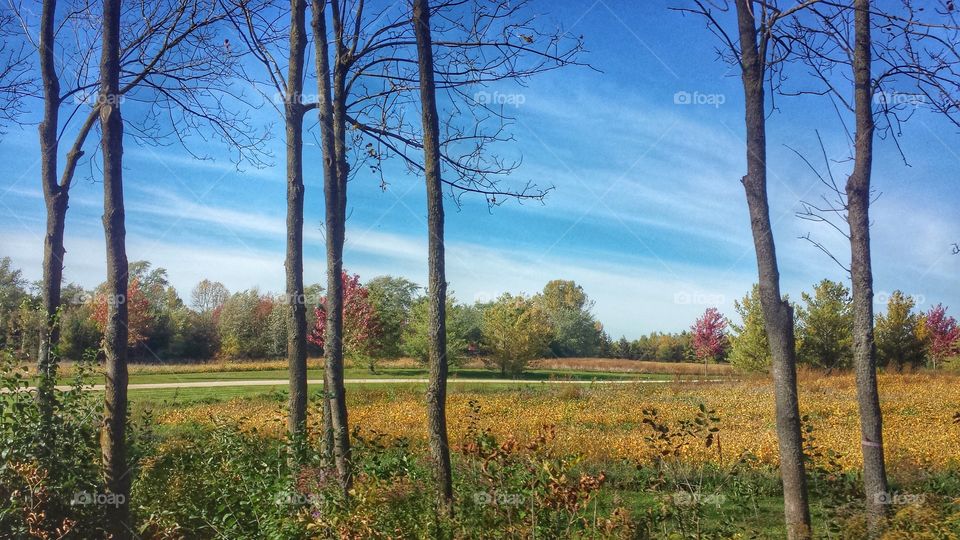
x,y
647,211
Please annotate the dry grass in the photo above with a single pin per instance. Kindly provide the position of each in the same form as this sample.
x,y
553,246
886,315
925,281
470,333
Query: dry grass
x,y
604,423
631,366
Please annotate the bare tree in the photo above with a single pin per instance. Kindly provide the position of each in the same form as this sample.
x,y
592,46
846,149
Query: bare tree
x,y
17,80
892,61
368,68
171,64
113,435
759,51
437,281
261,28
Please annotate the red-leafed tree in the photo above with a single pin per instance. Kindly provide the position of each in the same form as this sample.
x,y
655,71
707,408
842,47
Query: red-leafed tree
x,y
139,318
942,333
710,335
361,327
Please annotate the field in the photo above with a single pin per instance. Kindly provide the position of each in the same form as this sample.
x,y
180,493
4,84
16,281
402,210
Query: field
x,y
574,448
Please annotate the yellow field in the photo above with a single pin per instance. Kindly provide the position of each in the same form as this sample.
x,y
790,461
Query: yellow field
x,y
604,422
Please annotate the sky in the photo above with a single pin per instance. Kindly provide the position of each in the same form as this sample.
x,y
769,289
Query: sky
x,y
644,152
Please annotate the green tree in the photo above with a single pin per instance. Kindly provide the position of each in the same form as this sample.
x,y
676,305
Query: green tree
x,y
242,323
749,348
575,330
515,331
462,331
825,326
13,291
392,299
899,342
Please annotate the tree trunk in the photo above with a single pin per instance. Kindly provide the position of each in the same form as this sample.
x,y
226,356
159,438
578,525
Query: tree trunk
x,y
55,200
297,315
113,435
437,287
332,109
778,314
864,348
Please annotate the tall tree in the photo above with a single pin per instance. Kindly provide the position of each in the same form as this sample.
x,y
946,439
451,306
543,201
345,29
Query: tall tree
x,y
749,347
758,50
437,284
176,69
368,72
259,24
913,52
113,435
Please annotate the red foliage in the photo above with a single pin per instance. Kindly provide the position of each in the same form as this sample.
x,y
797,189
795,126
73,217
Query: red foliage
x,y
138,313
709,335
943,333
360,324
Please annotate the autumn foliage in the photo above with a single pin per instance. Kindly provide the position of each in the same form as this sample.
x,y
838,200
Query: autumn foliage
x,y
138,313
709,335
943,334
360,323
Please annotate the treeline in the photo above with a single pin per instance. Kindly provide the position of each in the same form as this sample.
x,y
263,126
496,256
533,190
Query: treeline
x,y
386,317
905,337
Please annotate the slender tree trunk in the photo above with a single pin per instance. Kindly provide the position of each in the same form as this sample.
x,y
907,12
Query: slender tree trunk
x,y
297,315
437,287
864,347
113,434
778,313
332,109
55,200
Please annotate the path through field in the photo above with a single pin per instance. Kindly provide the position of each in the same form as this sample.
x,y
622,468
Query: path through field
x,y
281,382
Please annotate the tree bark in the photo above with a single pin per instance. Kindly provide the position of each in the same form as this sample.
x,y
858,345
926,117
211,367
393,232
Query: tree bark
x,y
778,314
113,435
297,315
332,111
437,284
861,270
55,200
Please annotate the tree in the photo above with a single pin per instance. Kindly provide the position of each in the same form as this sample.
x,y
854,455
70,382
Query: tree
x,y
367,80
12,293
393,299
942,335
710,336
758,50
361,327
262,32
436,261
516,331
208,296
173,65
113,434
139,319
898,342
244,324
825,326
463,331
575,331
